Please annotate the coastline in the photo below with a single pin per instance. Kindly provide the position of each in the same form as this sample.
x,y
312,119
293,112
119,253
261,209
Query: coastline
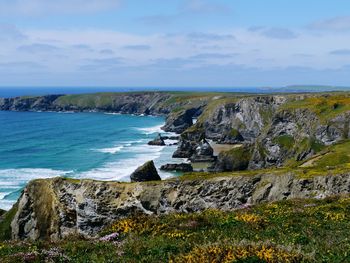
x,y
110,171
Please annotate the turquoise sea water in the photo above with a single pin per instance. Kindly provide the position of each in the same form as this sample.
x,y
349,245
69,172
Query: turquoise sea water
x,y
80,145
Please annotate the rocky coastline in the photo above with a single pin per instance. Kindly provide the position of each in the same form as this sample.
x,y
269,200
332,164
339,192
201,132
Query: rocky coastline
x,y
85,207
273,145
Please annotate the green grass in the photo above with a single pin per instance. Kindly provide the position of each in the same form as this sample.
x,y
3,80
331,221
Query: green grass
x,y
5,223
285,141
304,230
325,106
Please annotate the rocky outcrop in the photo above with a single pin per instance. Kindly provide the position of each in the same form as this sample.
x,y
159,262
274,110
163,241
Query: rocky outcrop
x,y
158,141
58,208
42,103
236,159
178,167
144,173
128,103
203,152
185,148
297,134
180,121
243,120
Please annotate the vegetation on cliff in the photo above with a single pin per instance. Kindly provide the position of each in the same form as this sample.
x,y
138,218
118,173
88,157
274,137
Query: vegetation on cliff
x,y
288,231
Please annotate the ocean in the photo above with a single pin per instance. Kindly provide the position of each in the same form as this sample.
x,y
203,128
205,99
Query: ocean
x,y
77,145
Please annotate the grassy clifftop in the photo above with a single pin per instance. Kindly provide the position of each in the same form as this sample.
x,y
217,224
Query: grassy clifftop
x,y
288,231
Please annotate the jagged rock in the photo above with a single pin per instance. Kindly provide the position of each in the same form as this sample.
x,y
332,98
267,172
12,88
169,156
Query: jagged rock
x,y
203,153
57,208
182,167
146,172
179,121
158,141
185,149
233,121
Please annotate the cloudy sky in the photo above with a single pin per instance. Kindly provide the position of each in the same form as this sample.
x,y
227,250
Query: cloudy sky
x,y
188,43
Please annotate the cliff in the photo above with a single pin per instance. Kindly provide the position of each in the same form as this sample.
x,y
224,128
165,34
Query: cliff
x,y
57,208
277,129
179,108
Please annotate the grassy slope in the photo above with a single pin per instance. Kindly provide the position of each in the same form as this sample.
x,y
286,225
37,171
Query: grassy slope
x,y
288,231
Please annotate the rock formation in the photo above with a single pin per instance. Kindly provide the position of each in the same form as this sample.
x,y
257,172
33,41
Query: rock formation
x,y
144,173
158,141
203,152
178,167
57,208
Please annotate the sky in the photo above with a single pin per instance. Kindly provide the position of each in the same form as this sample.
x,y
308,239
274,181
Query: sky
x,y
174,43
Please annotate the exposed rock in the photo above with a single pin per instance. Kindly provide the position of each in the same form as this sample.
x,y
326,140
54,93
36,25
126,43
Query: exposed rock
x,y
42,103
158,141
236,159
144,173
179,121
203,153
182,167
185,148
57,208
243,120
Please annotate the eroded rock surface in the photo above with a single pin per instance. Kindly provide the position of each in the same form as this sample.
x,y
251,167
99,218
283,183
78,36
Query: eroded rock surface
x,y
57,208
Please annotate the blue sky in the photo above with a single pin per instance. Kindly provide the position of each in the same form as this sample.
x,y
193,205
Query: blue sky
x,y
193,43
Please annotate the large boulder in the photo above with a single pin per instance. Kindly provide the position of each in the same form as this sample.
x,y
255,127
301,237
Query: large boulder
x,y
158,141
178,167
144,173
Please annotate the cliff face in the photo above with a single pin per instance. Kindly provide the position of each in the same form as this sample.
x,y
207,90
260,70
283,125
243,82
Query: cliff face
x,y
42,103
178,109
57,208
242,120
278,129
128,103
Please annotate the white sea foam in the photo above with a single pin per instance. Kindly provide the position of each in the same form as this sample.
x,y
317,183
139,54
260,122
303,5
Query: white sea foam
x,y
151,130
112,113
119,147
6,204
112,150
17,178
120,170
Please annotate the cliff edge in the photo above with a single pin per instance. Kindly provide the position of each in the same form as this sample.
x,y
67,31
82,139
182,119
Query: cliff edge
x,y
57,208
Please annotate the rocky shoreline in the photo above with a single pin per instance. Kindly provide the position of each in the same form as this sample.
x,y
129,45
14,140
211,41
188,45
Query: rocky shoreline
x,y
269,128
264,133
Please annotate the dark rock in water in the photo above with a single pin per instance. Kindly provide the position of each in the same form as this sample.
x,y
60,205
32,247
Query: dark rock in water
x,y
203,152
182,167
185,149
146,172
158,141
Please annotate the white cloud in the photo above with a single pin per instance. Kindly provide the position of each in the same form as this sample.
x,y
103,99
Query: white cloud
x,y
341,23
205,7
47,7
10,32
112,53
